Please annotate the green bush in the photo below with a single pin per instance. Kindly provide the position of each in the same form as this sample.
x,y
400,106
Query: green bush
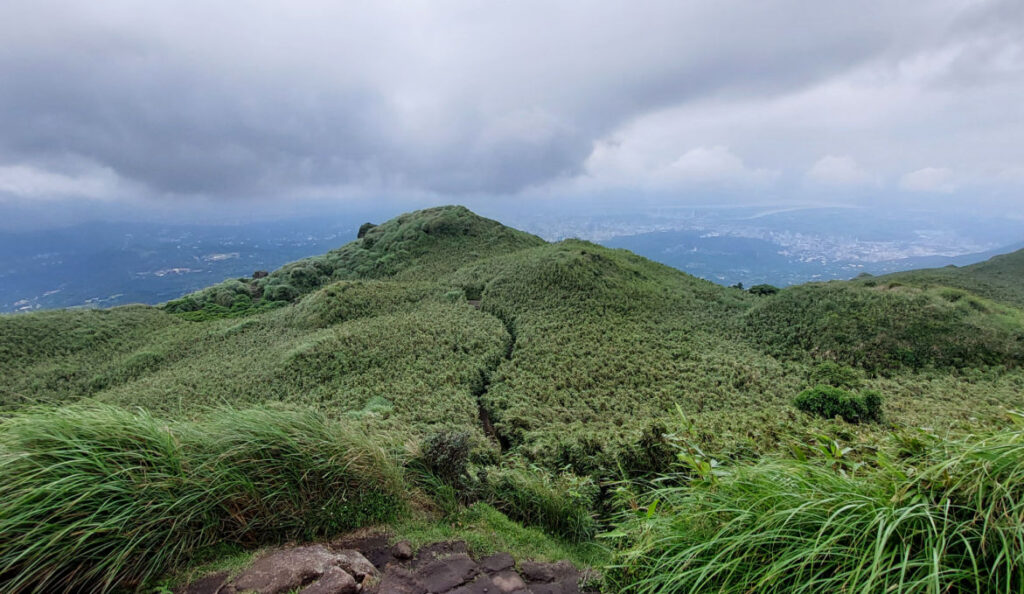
x,y
446,454
763,290
363,229
280,293
98,498
836,375
830,402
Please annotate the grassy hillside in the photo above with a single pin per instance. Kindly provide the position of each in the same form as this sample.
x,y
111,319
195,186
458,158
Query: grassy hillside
x,y
494,368
415,246
998,279
882,327
577,354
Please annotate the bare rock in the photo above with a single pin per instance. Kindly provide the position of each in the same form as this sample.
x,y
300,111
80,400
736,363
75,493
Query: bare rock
x,y
374,547
537,572
441,575
285,570
496,563
482,585
398,580
440,550
210,584
355,563
334,581
548,572
402,551
508,581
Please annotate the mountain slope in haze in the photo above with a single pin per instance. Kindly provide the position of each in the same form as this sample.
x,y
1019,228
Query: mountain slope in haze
x,y
730,259
568,354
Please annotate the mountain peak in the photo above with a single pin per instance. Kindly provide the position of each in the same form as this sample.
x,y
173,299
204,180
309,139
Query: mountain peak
x,y
412,246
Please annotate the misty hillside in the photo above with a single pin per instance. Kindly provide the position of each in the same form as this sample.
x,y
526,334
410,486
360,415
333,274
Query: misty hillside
x,y
463,363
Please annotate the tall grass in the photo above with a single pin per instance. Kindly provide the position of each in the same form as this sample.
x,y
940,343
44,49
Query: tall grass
x,y
97,497
949,521
562,504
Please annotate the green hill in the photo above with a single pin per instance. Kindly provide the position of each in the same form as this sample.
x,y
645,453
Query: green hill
x,y
885,326
576,354
998,278
492,366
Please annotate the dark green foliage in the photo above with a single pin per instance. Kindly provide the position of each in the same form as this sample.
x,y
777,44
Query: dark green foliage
x,y
763,290
829,402
99,498
446,454
834,374
997,279
446,330
363,229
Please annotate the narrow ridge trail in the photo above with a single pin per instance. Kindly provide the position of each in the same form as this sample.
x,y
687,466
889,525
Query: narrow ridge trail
x,y
486,376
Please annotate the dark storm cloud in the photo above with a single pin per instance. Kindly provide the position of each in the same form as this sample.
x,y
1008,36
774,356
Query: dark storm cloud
x,y
266,98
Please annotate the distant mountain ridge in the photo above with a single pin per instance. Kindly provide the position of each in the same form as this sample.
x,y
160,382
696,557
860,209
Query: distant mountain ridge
x,y
729,259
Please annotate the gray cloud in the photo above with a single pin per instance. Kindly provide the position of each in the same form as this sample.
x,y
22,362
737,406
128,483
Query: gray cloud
x,y
265,99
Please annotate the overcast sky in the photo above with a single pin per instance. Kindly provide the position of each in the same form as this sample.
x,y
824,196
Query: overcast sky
x,y
164,104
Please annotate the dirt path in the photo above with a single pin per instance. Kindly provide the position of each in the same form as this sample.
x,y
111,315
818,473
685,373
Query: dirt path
x,y
369,565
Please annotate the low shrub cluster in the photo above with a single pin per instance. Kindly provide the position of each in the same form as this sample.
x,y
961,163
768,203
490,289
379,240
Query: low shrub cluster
x,y
98,498
830,402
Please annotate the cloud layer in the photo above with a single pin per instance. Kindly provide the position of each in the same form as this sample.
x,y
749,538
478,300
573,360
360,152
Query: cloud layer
x,y
266,99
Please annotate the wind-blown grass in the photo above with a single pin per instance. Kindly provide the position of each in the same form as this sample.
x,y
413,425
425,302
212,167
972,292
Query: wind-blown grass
x,y
97,497
950,521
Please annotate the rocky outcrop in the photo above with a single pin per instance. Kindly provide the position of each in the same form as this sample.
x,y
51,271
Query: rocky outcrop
x,y
369,565
309,570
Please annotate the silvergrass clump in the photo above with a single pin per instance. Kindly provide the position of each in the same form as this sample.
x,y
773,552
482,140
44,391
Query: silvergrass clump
x,y
97,498
562,504
949,521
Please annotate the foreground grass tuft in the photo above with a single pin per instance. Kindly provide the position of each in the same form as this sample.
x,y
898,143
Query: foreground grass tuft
x,y
947,521
98,497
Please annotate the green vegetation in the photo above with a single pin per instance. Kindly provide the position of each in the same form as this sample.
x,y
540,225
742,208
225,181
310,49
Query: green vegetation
x,y
416,246
997,279
97,497
944,520
829,401
448,375
888,327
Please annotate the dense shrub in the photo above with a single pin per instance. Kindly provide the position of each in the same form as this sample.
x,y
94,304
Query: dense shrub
x,y
97,498
829,402
280,293
363,229
446,454
763,290
833,374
